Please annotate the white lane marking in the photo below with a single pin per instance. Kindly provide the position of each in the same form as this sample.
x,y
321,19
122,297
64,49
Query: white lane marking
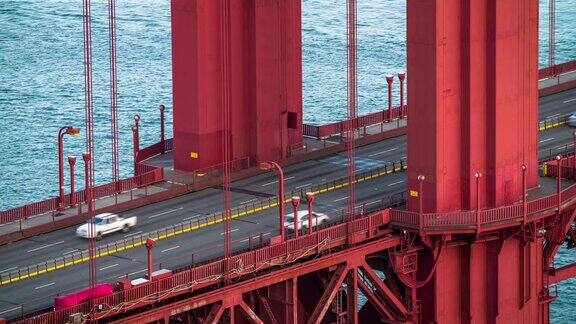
x,y
10,310
44,246
110,266
384,152
166,212
69,252
132,234
6,270
247,201
266,234
340,199
170,249
232,230
569,100
373,202
44,286
303,186
133,273
403,158
546,140
273,182
551,116
565,146
395,183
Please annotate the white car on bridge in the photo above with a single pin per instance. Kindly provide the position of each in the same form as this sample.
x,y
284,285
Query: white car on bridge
x,y
105,224
317,219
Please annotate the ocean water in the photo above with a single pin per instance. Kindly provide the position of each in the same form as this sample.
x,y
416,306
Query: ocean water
x,y
41,81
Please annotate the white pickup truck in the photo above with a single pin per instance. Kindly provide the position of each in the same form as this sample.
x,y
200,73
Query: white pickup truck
x,y
105,224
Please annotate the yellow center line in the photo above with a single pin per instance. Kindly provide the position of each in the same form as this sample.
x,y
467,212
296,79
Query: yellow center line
x,y
173,233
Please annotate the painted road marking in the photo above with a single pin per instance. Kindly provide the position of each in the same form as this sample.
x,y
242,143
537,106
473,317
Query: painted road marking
x,y
44,286
190,228
191,217
132,234
166,212
340,199
546,140
395,183
248,201
384,152
565,146
233,230
10,310
133,273
552,116
9,269
69,252
44,246
372,202
273,182
170,249
303,186
569,100
110,266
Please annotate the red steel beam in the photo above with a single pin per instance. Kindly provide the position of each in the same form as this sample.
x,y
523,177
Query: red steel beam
x,y
562,273
329,294
376,302
262,281
352,286
251,315
382,288
215,314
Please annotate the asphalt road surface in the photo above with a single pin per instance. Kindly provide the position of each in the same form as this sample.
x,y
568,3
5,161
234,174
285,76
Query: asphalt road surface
x,y
38,292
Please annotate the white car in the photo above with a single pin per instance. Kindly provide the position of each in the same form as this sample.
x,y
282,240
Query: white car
x,y
317,219
105,224
571,120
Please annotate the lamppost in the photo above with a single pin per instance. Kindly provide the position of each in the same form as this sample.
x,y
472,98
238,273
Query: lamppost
x,y
150,242
389,80
310,200
296,205
136,141
273,165
478,221
524,194
87,187
72,162
558,182
421,179
401,77
162,136
66,130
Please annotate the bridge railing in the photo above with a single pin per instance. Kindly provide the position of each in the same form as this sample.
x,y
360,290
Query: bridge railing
x,y
557,69
322,240
150,177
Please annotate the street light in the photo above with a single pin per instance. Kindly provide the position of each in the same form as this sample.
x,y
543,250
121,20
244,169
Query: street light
x,y
162,136
136,141
72,162
478,175
421,179
87,187
150,242
558,184
389,80
524,194
296,205
66,130
401,77
310,200
267,166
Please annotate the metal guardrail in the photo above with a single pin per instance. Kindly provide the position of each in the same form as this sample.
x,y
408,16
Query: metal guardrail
x,y
192,224
552,122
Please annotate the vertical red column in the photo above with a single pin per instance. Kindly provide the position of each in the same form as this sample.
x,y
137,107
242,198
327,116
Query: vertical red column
x,y
473,89
265,73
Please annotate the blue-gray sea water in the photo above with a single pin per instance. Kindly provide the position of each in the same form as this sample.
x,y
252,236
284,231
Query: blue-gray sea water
x,y
41,81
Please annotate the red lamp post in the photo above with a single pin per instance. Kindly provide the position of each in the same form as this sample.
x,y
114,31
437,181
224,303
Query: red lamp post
x,y
273,165
421,179
478,220
87,187
72,162
150,242
162,135
401,77
389,80
558,181
136,141
66,130
296,205
310,200
524,195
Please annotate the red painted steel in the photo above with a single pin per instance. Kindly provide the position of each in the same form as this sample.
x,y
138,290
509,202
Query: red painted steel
x,y
265,75
113,89
351,24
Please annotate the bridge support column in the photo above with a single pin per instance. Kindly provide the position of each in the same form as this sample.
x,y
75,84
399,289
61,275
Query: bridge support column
x,y
264,53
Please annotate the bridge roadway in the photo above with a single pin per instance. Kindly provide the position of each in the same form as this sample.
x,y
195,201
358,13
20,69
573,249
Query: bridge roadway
x,y
38,292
